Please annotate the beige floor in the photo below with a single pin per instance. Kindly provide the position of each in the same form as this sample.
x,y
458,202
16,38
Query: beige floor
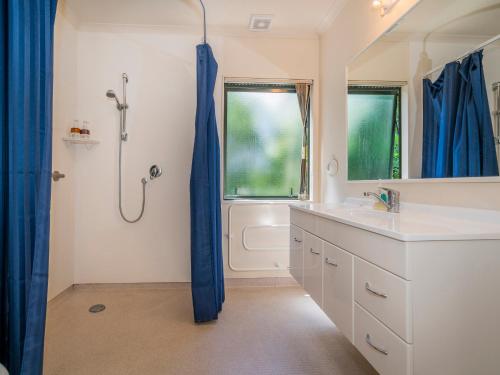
x,y
149,331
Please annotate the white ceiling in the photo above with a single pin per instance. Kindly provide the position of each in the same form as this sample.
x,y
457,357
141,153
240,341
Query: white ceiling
x,y
296,16
453,17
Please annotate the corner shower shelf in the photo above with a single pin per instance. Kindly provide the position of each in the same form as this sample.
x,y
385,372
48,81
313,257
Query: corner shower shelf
x,y
77,141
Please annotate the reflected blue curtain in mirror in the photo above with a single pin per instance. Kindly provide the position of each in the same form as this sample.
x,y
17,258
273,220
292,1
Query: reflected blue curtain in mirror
x,y
457,130
206,229
474,145
440,114
26,33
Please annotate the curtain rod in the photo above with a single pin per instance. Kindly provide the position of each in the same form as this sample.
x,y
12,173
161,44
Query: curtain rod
x,y
204,23
470,52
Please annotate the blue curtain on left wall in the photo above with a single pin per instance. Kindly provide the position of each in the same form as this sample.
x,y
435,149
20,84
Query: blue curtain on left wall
x,y
206,229
26,69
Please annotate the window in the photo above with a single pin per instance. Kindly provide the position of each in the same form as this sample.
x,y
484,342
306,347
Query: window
x,y
263,141
374,133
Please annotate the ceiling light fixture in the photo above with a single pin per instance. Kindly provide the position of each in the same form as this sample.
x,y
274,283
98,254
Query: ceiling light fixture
x,y
385,6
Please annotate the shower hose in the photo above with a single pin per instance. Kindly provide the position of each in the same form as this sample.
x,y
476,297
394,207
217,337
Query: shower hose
x,y
143,181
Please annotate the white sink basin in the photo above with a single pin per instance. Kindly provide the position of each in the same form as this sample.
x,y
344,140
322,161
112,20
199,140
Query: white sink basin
x,y
415,222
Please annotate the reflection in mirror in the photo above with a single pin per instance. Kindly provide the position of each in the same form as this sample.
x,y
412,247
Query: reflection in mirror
x,y
424,99
374,123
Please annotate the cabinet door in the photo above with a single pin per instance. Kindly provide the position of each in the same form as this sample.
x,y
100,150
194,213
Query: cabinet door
x,y
313,267
297,254
338,288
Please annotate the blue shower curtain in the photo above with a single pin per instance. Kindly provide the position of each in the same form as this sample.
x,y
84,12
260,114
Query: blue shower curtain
x,y
474,145
440,114
457,131
206,229
26,34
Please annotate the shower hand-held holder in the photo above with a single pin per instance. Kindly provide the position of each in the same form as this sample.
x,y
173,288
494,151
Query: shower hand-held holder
x,y
154,171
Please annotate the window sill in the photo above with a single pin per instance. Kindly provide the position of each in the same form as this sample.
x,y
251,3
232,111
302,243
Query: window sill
x,y
260,201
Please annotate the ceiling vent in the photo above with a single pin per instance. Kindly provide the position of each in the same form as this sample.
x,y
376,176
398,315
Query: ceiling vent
x,y
260,22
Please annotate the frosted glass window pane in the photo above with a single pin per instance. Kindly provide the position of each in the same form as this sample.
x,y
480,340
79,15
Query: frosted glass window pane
x,y
373,146
263,144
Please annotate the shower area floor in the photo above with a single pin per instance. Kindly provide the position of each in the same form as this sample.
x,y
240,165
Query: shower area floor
x,y
149,330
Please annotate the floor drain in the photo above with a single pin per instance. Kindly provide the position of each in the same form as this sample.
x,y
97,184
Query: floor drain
x,y
97,308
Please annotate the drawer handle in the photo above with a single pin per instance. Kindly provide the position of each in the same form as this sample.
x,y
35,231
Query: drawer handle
x,y
380,350
296,240
331,262
314,252
378,294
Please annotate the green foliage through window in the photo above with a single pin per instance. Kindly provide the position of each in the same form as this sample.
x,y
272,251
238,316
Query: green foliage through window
x,y
263,142
374,133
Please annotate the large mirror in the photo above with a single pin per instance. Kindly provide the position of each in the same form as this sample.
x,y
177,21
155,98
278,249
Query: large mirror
x,y
424,99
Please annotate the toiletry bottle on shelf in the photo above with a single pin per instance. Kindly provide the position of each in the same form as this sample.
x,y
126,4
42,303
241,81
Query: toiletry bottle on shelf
x,y
84,131
75,130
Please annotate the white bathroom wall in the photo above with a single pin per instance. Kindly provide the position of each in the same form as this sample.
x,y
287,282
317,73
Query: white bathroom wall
x,y
162,97
384,61
61,274
355,28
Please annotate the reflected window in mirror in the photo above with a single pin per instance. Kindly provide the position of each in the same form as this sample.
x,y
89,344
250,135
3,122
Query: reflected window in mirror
x,y
374,133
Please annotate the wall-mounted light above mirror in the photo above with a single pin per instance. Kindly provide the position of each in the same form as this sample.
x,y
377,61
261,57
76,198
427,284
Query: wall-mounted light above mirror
x,y
384,6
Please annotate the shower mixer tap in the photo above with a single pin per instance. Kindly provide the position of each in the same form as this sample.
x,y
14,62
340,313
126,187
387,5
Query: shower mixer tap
x,y
154,172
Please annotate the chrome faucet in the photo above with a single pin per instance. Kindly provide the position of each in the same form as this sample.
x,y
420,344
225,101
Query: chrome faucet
x,y
392,203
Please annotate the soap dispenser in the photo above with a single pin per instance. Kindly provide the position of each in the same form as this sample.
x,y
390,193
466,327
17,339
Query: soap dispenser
x,y
382,193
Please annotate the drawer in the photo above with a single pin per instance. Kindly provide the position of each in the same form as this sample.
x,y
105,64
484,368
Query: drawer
x,y
303,220
384,295
386,352
385,252
313,267
337,288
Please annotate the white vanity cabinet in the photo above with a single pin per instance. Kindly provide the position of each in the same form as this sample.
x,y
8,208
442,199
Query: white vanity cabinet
x,y
313,267
337,287
297,254
412,304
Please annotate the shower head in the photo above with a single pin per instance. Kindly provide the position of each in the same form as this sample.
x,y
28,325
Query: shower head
x,y
111,94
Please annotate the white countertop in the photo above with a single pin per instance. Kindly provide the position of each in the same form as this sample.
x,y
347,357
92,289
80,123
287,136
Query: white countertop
x,y
415,222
